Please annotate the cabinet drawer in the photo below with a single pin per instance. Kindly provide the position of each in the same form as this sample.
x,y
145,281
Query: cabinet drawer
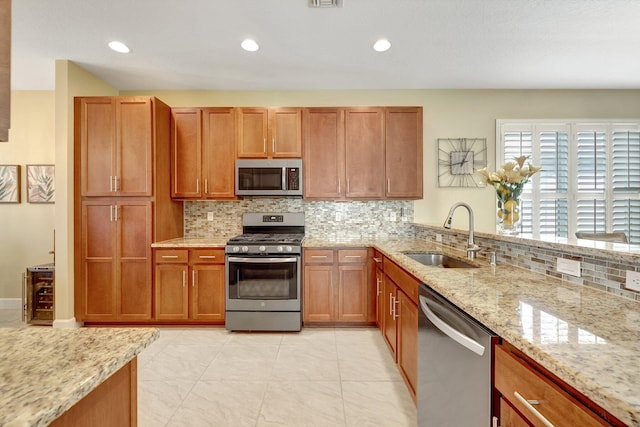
x,y
516,381
318,256
173,256
404,280
352,256
206,256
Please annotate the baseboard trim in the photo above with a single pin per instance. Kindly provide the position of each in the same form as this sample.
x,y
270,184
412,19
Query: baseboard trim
x,y
10,303
67,323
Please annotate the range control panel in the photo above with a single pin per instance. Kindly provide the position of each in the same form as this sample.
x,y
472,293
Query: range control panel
x,y
272,218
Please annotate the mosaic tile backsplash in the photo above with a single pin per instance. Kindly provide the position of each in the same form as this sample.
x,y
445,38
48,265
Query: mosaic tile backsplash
x,y
604,271
323,219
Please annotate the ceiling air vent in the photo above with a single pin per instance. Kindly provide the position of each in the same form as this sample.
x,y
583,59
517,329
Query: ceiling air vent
x,y
325,3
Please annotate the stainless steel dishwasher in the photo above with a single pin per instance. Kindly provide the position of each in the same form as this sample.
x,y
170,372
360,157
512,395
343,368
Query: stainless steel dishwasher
x,y
454,365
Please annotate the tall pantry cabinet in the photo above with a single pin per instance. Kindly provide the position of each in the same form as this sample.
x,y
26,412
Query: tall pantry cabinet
x,y
122,204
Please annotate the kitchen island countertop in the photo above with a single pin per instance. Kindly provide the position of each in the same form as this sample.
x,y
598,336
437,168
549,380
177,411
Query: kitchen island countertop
x,y
45,371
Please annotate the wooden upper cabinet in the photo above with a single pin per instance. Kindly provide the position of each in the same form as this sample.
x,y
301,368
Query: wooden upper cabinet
x,y
269,132
186,152
285,132
323,161
218,152
403,152
203,149
364,153
116,146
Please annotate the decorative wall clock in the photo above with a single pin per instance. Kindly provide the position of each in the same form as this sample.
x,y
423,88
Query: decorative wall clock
x,y
458,161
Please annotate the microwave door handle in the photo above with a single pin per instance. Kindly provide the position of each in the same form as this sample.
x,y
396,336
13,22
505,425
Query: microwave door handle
x,y
284,178
461,339
262,260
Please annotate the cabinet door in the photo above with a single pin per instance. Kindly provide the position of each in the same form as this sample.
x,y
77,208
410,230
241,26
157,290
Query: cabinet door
x,y
171,292
252,132
207,292
403,152
186,153
390,333
134,139
408,339
285,132
324,153
352,293
319,296
95,124
133,221
219,152
98,246
509,417
364,153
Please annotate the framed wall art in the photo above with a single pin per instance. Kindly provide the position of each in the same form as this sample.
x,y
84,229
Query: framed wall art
x,y
9,183
41,184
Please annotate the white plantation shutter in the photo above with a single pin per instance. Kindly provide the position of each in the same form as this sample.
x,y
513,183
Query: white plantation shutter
x,y
591,217
626,218
554,161
554,218
590,177
626,161
592,160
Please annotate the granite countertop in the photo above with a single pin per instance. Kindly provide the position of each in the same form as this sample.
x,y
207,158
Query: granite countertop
x,y
193,242
45,371
587,337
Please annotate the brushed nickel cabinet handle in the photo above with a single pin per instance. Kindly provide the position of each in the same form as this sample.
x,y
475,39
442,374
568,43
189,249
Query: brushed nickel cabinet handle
x,y
184,279
111,213
273,145
529,405
264,144
206,186
169,256
193,278
110,183
207,257
318,256
378,260
116,182
388,185
391,298
197,185
395,308
353,256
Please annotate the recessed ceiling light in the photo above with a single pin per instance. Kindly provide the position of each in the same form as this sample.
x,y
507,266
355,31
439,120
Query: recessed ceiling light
x,y
249,45
382,45
119,47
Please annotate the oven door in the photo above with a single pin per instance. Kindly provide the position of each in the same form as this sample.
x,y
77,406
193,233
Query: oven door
x,y
263,283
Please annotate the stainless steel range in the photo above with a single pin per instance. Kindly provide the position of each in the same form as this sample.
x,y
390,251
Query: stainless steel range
x,y
263,273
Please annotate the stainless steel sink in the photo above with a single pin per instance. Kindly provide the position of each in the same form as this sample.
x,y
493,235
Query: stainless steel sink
x,y
438,260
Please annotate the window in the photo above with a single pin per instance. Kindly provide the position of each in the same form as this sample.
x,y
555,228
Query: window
x,y
590,177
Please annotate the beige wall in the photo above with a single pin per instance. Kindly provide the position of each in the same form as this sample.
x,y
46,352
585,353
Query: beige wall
x,y
71,81
26,230
447,114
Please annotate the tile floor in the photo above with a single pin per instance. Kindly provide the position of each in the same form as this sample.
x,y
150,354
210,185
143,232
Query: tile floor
x,y
319,377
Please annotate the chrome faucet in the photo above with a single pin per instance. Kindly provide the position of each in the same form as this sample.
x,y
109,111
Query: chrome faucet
x,y
472,248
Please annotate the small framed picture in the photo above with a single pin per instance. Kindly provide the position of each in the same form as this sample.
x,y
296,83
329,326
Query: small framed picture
x,y
41,184
9,183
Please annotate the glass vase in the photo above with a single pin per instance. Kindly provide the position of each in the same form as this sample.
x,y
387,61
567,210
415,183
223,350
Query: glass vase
x,y
509,214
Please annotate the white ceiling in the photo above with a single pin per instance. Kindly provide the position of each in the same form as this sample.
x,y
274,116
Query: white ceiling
x,y
195,44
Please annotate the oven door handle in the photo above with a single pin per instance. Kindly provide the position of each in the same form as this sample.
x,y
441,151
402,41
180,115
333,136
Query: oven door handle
x,y
261,260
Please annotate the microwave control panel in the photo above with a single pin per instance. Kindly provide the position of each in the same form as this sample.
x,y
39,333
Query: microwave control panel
x,y
293,178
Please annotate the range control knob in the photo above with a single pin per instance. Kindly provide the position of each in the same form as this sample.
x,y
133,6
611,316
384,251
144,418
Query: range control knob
x,y
245,249
289,248
280,249
262,248
236,249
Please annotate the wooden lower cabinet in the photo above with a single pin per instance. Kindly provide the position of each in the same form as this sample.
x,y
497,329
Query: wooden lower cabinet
x,y
336,286
398,318
518,381
189,285
114,403
116,260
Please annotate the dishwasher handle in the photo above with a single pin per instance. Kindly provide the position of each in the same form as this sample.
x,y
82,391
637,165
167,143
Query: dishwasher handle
x,y
461,339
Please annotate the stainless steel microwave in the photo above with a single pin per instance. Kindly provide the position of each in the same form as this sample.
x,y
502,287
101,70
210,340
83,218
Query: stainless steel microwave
x,y
269,177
